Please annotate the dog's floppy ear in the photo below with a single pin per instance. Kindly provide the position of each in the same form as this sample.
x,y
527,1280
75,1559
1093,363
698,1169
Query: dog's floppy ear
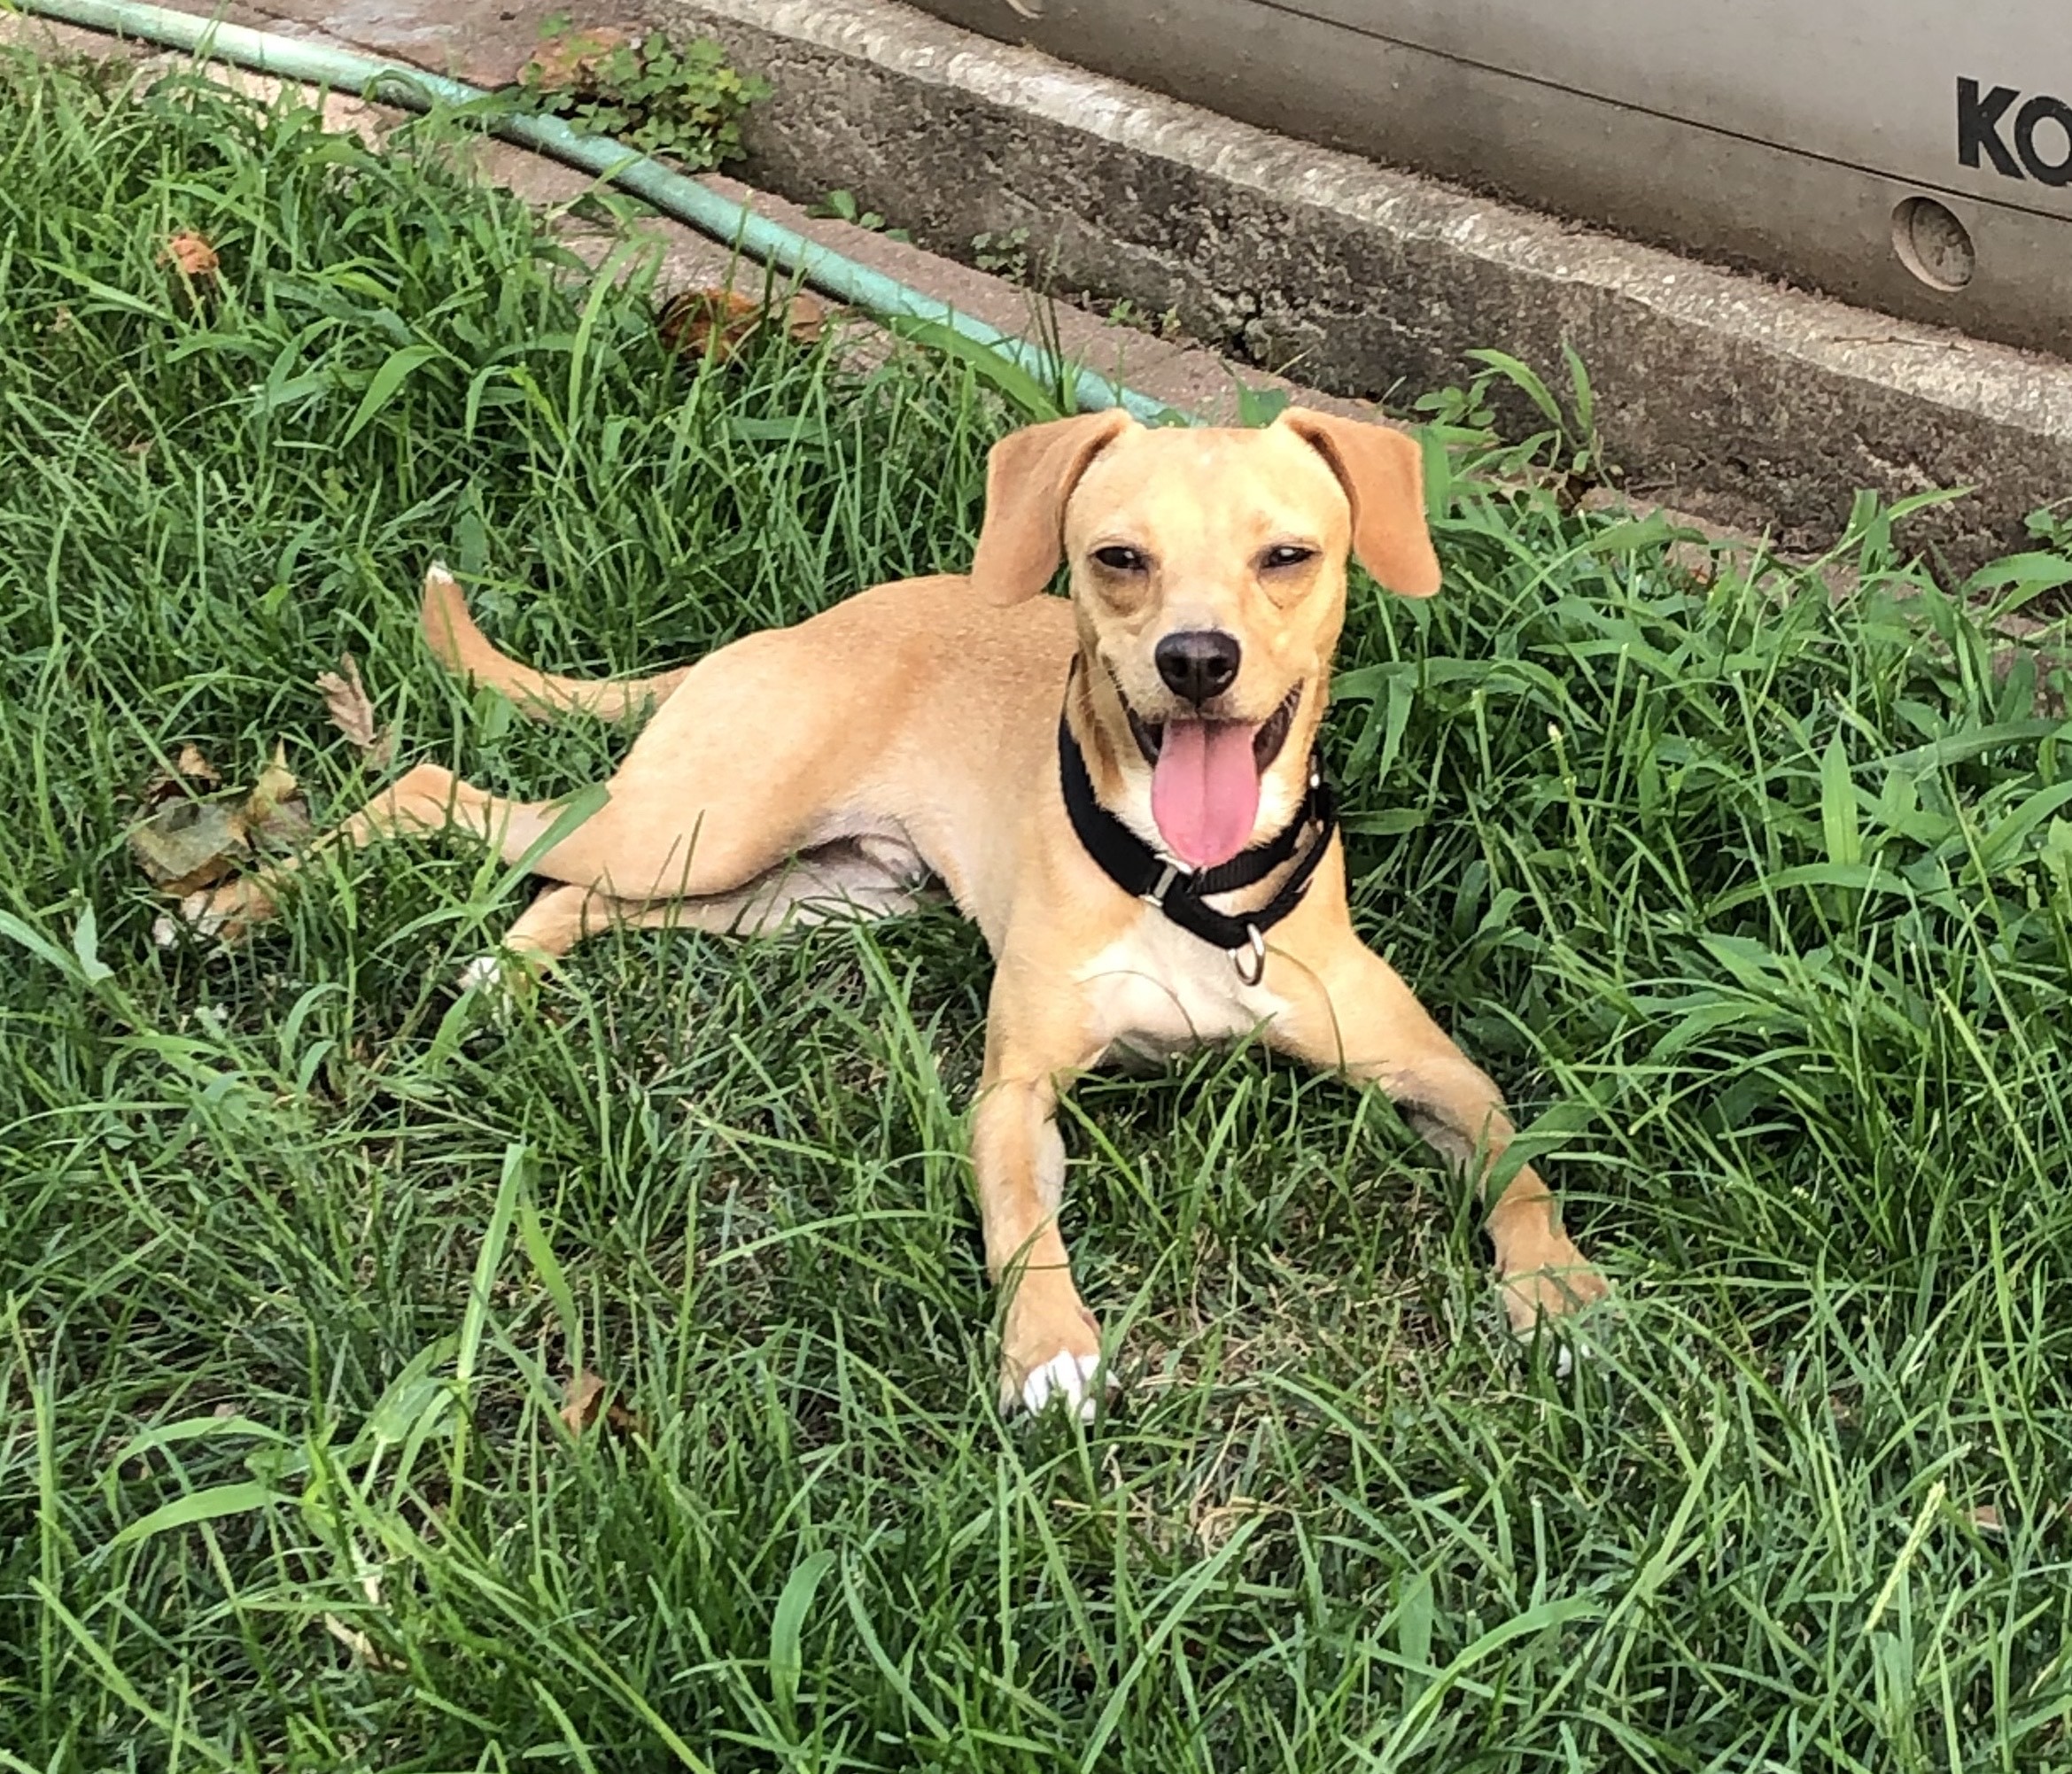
x,y
1382,473
1029,476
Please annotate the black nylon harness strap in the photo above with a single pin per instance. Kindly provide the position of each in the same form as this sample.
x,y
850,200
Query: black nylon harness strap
x,y
1131,863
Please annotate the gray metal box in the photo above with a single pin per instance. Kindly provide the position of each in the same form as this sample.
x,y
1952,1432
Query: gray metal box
x,y
1909,156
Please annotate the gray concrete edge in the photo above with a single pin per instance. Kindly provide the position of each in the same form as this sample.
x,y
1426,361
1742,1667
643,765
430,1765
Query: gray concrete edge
x,y
1756,407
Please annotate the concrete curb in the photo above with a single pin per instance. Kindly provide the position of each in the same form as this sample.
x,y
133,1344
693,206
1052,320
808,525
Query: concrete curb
x,y
1752,405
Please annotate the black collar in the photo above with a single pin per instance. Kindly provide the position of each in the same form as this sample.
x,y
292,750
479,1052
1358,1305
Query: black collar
x,y
1140,871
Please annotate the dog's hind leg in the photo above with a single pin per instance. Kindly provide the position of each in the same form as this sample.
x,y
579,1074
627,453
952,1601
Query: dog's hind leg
x,y
770,747
425,799
856,880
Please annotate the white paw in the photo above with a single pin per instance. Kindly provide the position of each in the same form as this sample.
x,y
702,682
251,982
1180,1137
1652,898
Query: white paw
x,y
1564,1351
1065,1377
503,980
482,971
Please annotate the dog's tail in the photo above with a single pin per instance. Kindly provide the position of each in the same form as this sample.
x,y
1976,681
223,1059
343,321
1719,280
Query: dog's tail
x,y
462,647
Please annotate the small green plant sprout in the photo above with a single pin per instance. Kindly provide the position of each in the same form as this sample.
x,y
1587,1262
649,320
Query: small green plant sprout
x,y
1002,255
2051,525
1124,313
1258,407
681,100
842,206
1566,453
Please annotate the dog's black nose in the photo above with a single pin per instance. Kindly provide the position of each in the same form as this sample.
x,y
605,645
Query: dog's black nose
x,y
1198,663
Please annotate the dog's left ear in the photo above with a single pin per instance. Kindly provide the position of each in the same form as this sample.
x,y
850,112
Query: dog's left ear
x,y
1029,476
1382,473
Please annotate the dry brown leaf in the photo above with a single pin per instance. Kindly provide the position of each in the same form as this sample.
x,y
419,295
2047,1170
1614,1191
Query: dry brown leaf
x,y
351,711
579,1404
346,702
716,322
191,256
188,845
805,316
191,765
569,59
580,1409
1986,1519
189,775
275,816
276,785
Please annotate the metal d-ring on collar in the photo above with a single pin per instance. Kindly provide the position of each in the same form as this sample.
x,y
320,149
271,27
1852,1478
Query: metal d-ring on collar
x,y
1140,871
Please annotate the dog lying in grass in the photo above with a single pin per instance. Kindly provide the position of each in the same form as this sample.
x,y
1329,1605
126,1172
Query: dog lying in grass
x,y
1120,788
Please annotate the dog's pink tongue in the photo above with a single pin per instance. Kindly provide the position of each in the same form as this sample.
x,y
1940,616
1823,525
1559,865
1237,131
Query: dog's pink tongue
x,y
1205,790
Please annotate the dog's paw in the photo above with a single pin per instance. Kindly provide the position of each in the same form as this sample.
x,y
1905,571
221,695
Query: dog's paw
x,y
1545,1300
1073,1382
506,977
485,970
1053,1360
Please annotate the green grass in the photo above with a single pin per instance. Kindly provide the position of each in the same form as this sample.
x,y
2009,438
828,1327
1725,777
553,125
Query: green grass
x,y
1755,904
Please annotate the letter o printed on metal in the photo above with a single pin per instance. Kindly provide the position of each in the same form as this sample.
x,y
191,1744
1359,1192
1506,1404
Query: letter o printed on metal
x,y
2044,109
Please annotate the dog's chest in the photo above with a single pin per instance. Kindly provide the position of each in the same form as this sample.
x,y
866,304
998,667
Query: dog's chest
x,y
1158,989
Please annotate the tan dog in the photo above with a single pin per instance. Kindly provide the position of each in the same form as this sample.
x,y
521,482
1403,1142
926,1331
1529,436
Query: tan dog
x,y
913,732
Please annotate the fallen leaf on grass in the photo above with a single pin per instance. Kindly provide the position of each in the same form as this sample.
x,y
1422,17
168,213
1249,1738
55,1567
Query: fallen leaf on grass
x,y
188,776
276,817
193,258
187,844
580,1405
718,322
196,768
352,712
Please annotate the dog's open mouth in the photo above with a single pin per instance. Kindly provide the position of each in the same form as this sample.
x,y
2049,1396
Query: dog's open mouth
x,y
1205,777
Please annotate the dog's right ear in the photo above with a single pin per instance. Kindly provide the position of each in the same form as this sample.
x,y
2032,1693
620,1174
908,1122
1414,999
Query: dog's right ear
x,y
1382,470
1029,476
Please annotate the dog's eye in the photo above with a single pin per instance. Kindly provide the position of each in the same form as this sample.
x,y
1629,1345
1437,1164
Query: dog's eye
x,y
1120,560
1287,554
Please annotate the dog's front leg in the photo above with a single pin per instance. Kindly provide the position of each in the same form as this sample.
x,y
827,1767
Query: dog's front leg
x,y
1351,1012
1050,1345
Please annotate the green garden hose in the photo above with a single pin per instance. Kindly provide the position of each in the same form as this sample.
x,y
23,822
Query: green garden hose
x,y
673,193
